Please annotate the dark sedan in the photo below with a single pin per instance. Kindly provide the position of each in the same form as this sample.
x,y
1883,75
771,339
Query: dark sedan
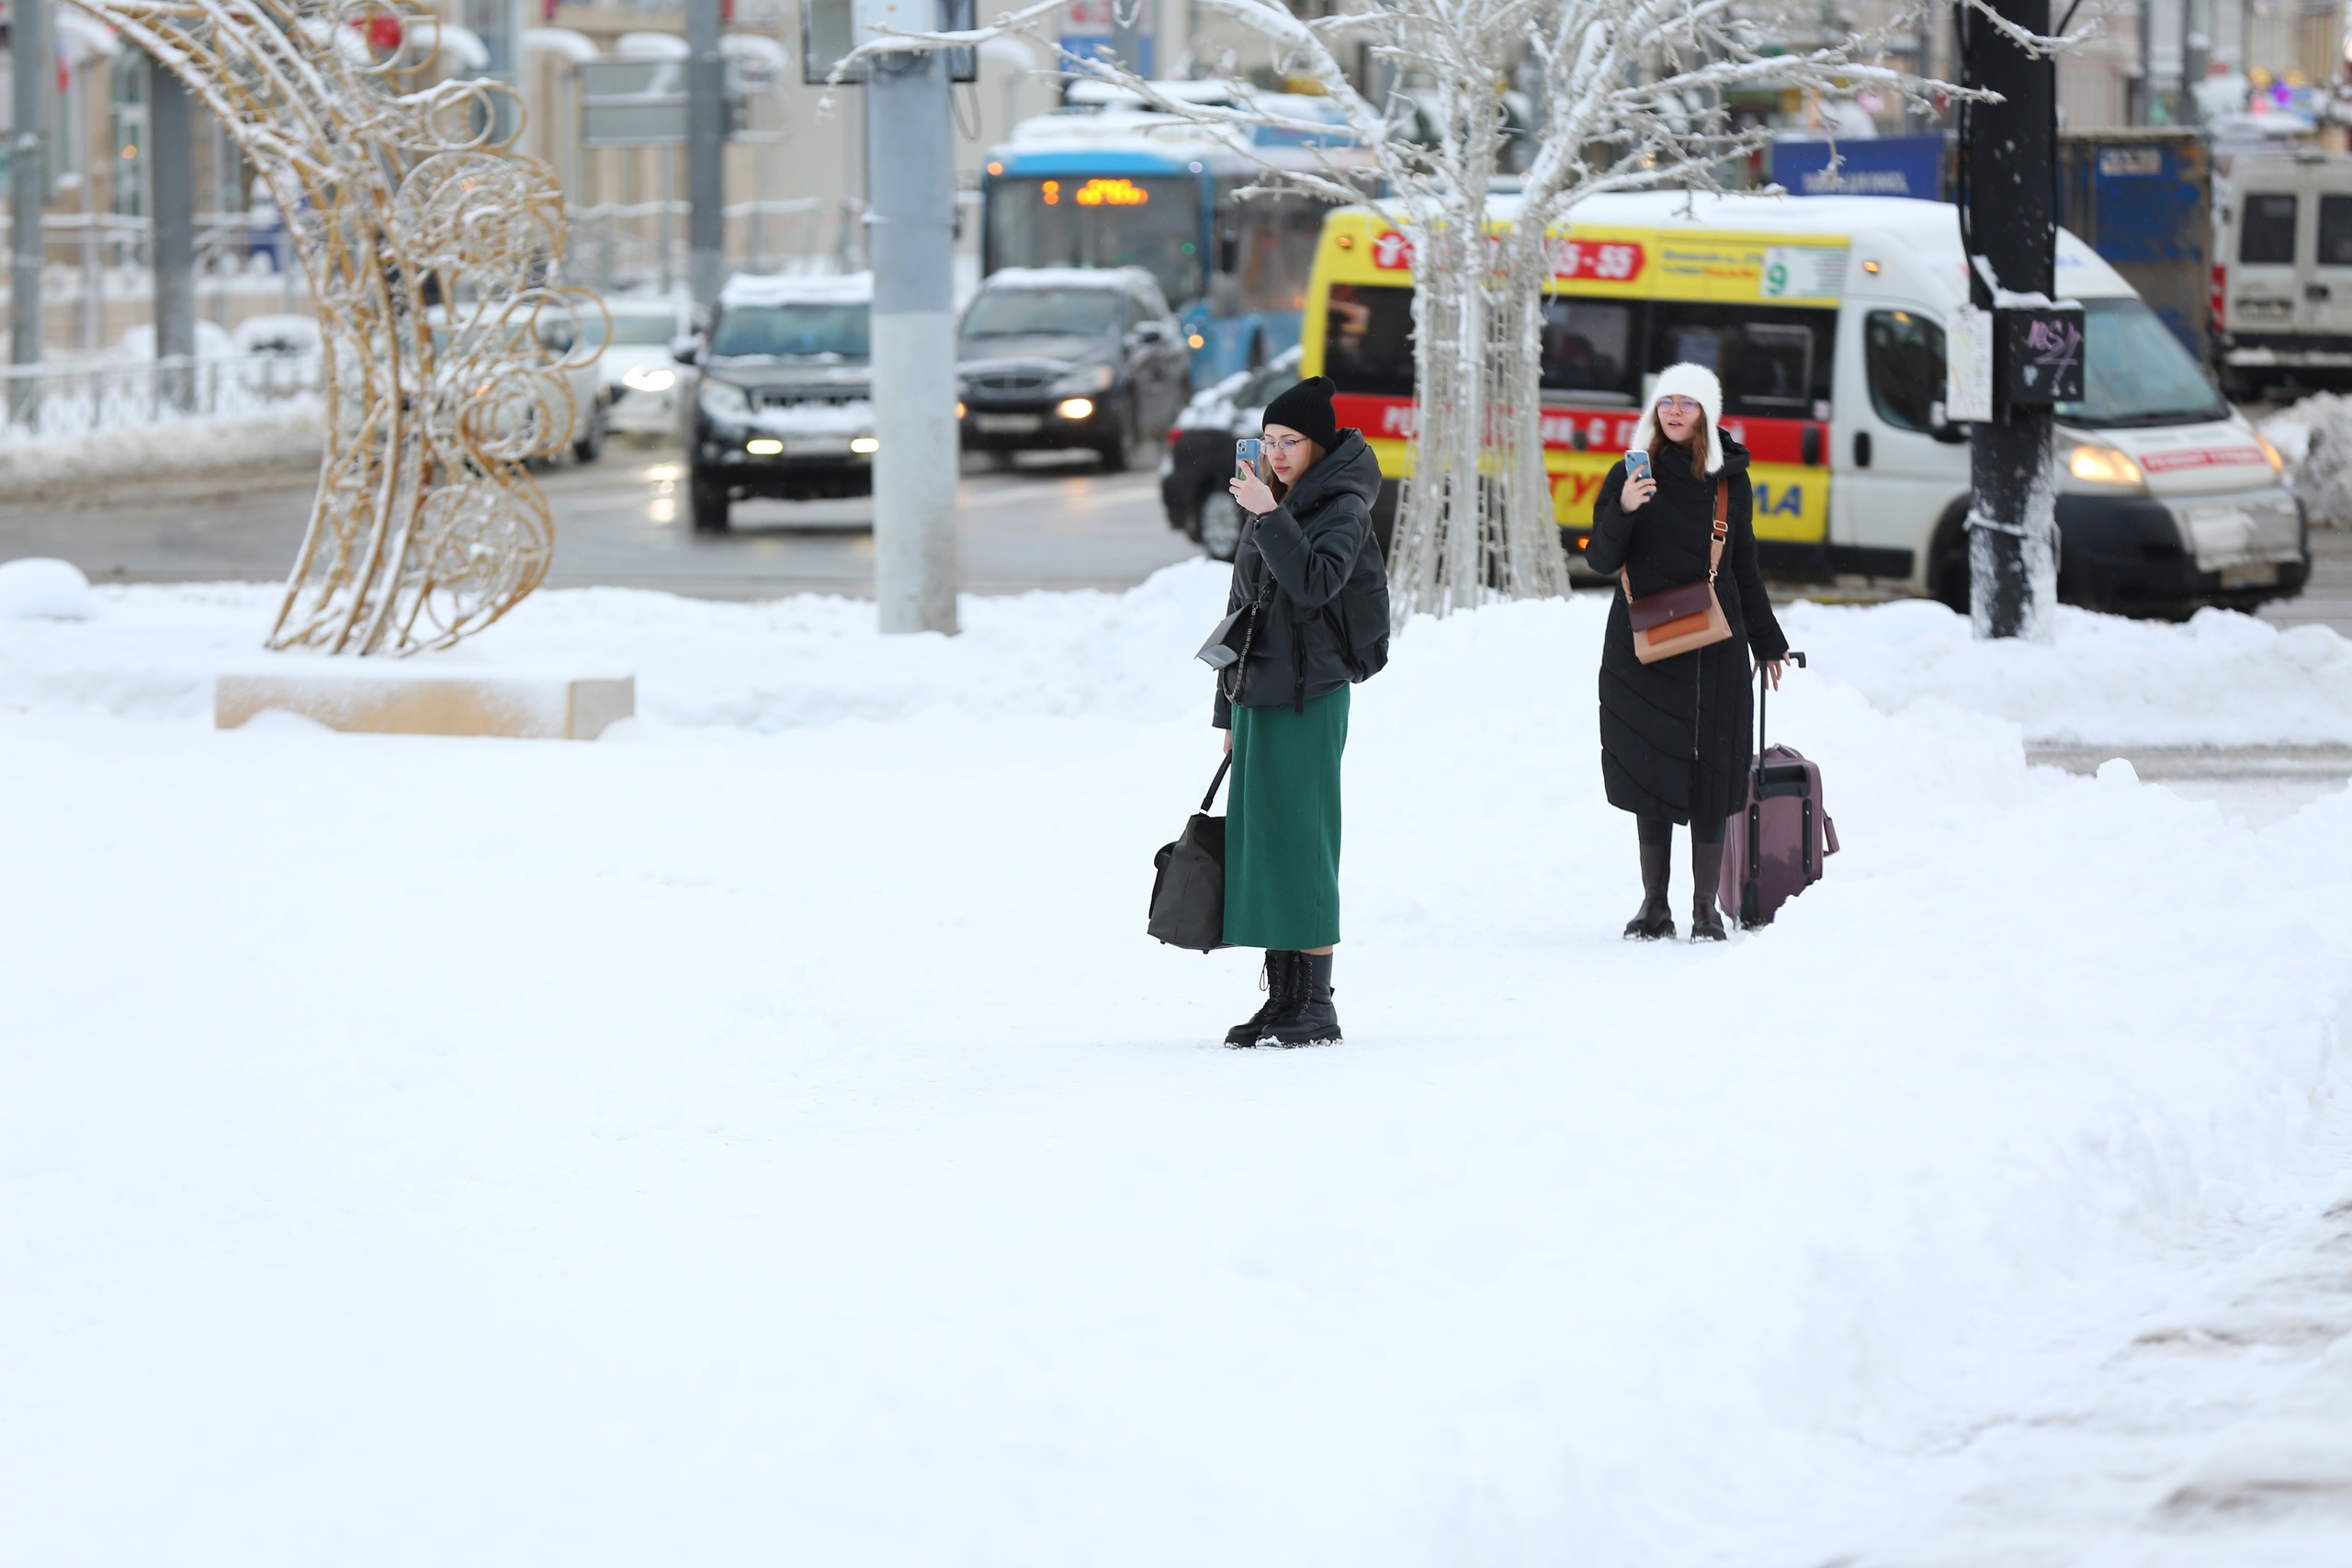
x,y
1199,461
1053,358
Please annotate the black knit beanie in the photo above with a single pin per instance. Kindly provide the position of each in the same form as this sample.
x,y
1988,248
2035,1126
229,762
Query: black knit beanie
x,y
1306,408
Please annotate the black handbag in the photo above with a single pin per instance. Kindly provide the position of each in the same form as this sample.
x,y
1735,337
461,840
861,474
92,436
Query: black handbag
x,y
1188,889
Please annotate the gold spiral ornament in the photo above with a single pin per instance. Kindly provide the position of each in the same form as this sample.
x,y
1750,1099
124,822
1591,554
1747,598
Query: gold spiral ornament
x,y
435,255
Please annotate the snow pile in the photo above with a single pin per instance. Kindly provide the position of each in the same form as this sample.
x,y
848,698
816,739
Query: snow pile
x,y
2222,679
2315,438
289,433
730,1147
40,588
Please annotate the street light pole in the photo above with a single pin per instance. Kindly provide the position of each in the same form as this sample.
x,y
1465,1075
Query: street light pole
x,y
910,214
705,154
30,39
2008,229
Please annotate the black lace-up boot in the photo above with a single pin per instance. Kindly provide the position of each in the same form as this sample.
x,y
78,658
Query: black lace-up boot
x,y
1280,977
1312,1020
1653,920
1706,865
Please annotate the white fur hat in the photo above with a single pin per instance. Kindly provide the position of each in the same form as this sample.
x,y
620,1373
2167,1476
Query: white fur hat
x,y
1687,380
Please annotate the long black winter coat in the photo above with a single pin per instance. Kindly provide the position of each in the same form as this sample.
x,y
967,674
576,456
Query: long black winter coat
x,y
1675,735
1310,547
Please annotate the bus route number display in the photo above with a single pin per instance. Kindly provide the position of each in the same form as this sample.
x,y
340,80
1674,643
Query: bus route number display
x,y
1099,191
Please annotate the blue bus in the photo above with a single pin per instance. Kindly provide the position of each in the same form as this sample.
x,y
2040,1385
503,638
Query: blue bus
x,y
1104,184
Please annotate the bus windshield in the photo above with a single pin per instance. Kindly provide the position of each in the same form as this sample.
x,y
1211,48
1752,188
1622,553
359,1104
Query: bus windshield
x,y
2135,372
792,332
1097,220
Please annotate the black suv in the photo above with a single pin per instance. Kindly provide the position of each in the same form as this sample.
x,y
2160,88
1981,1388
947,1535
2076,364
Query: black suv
x,y
784,406
1056,358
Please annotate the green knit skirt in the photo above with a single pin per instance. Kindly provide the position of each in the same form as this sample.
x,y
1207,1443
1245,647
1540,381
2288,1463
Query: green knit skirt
x,y
1282,826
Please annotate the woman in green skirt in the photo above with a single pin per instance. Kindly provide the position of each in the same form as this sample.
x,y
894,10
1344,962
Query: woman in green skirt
x,y
1310,575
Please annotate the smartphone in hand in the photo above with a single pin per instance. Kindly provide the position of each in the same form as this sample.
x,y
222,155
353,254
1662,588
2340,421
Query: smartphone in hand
x,y
1249,453
1637,464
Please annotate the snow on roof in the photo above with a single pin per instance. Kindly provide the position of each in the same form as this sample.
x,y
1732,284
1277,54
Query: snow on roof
x,y
1067,276
770,289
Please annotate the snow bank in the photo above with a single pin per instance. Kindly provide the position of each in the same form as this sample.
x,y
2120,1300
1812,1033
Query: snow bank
x,y
2222,679
730,1148
288,432
2315,438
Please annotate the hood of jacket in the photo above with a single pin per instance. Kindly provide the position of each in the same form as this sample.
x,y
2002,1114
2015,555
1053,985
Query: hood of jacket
x,y
1697,383
1348,469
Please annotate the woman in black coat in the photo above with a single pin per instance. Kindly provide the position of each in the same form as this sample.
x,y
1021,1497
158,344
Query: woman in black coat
x,y
1674,734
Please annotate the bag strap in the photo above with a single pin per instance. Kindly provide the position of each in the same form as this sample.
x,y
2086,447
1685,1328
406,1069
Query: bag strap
x,y
1723,528
1714,550
1209,798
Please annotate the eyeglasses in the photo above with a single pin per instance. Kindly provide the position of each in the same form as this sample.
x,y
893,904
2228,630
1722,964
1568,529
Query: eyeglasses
x,y
1679,405
1286,448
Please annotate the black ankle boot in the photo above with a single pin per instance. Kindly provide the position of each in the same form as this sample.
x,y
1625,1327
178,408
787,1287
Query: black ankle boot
x,y
1312,1020
1653,920
1706,866
1280,977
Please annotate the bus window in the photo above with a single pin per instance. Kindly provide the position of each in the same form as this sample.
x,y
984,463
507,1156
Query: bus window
x,y
1774,361
1588,349
1273,250
1080,221
1368,339
1905,352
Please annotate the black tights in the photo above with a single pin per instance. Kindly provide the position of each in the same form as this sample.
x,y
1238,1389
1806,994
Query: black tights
x,y
1660,830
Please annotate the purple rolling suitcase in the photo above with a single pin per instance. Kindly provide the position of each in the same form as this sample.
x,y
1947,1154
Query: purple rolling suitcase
x,y
1774,846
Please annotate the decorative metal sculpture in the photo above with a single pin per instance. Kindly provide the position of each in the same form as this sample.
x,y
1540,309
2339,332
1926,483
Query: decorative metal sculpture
x,y
434,251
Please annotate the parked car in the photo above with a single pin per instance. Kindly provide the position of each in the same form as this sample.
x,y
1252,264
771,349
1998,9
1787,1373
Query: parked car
x,y
784,405
641,382
1057,358
586,437
1198,463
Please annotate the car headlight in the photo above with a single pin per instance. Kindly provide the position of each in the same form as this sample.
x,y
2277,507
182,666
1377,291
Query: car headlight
x,y
648,379
725,400
2103,466
1086,378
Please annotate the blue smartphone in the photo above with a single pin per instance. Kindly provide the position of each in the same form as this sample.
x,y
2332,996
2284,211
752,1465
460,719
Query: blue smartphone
x,y
1637,464
1248,452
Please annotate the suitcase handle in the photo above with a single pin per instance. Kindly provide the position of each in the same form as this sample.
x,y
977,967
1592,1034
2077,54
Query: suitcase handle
x,y
1763,690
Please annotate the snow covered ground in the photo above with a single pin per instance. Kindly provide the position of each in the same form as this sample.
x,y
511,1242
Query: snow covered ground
x,y
767,1135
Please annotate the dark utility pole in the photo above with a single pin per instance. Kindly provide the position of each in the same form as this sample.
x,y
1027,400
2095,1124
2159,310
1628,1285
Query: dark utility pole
x,y
35,64
2009,162
705,154
171,176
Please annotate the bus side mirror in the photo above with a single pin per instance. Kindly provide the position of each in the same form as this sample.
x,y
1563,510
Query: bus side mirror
x,y
1943,430
1229,250
685,347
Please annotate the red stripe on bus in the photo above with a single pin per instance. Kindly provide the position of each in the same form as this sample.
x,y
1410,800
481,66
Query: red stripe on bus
x,y
1587,430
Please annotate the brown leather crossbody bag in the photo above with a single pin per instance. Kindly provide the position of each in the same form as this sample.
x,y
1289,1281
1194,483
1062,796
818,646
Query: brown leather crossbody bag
x,y
1688,616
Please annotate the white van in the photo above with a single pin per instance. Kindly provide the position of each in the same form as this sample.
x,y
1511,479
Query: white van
x,y
1824,316
2282,273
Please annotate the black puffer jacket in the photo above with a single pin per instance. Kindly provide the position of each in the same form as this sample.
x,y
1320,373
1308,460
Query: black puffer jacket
x,y
1675,735
1305,550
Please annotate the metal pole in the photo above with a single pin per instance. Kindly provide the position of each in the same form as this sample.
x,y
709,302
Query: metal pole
x,y
28,195
2147,115
2196,46
705,150
1127,33
171,159
910,210
2008,217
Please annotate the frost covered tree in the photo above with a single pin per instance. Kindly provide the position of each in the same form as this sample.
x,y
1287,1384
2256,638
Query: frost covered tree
x,y
1630,96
